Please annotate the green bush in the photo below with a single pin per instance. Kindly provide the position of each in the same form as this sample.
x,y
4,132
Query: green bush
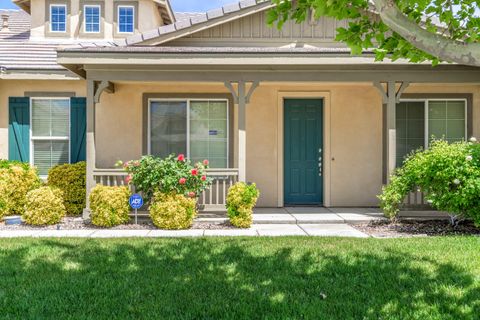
x,y
109,206
172,211
70,178
449,175
241,200
16,180
44,206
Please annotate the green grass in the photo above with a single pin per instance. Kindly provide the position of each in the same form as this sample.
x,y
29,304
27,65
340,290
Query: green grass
x,y
254,278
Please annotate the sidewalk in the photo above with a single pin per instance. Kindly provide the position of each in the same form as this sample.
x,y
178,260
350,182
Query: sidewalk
x,y
324,230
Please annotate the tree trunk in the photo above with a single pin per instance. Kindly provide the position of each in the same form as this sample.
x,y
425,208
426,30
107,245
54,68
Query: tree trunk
x,y
434,44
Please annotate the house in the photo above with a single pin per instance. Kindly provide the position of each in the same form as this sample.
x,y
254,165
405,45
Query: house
x,y
290,109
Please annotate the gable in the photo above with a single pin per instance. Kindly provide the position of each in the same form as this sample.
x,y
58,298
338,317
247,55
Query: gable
x,y
254,31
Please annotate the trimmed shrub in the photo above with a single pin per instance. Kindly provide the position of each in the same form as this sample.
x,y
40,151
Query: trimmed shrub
x,y
44,206
241,200
172,211
109,206
70,178
16,180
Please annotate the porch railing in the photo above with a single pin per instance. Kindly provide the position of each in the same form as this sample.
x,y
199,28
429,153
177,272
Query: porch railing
x,y
416,200
213,199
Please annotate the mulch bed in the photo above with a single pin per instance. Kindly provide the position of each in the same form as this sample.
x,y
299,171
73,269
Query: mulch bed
x,y
71,223
411,228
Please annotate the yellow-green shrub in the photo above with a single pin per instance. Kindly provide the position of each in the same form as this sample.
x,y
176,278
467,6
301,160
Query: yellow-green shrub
x,y
44,206
70,178
16,180
241,199
172,211
109,206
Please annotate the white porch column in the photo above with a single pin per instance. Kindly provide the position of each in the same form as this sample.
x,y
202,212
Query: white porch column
x,y
242,133
391,129
390,98
242,99
90,140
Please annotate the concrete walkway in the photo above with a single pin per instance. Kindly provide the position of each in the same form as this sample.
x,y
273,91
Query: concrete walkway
x,y
324,230
303,215
320,215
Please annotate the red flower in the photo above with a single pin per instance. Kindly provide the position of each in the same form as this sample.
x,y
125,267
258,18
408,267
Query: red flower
x,y
205,162
204,178
182,181
192,194
181,157
128,179
194,172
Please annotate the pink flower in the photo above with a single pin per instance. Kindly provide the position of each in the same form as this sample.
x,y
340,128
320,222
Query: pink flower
x,y
192,194
194,172
205,162
182,181
126,164
181,157
204,178
128,179
137,163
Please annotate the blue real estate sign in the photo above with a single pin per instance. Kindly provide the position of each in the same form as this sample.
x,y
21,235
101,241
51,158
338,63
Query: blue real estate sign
x,y
136,201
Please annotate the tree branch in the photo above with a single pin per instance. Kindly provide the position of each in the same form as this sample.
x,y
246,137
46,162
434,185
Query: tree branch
x,y
434,44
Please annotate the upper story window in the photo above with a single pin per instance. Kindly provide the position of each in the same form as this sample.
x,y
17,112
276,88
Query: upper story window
x,y
126,19
58,18
92,19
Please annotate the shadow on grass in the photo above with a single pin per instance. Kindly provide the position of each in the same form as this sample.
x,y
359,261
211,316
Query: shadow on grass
x,y
230,279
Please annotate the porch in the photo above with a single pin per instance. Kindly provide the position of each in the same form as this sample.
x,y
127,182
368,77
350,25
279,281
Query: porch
x,y
359,128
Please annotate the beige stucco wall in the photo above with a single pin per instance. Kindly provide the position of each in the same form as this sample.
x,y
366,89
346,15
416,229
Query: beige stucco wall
x,y
356,173
17,88
355,133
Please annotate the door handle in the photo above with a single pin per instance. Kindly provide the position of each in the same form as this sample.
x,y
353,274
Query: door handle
x,y
320,163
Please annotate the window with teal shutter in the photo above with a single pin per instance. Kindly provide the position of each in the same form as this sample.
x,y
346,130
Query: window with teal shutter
x,y
78,129
19,129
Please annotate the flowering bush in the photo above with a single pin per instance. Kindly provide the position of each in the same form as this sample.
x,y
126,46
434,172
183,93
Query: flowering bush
x,y
172,211
109,206
44,206
70,178
449,175
16,180
241,199
171,175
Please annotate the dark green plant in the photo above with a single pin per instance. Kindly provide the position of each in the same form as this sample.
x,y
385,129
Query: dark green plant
x,y
449,175
70,178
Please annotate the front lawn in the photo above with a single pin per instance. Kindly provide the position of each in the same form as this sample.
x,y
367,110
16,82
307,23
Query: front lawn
x,y
254,278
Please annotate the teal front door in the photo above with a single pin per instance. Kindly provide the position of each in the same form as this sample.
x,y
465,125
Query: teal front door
x,y
303,163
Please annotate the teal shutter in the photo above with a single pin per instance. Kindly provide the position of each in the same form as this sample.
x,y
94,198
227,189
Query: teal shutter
x,y
19,129
78,129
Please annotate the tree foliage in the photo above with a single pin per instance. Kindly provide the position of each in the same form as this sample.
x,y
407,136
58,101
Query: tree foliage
x,y
425,30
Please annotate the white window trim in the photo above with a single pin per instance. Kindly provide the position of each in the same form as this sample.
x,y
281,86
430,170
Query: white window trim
x,y
85,18
118,19
188,101
32,138
66,17
425,102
